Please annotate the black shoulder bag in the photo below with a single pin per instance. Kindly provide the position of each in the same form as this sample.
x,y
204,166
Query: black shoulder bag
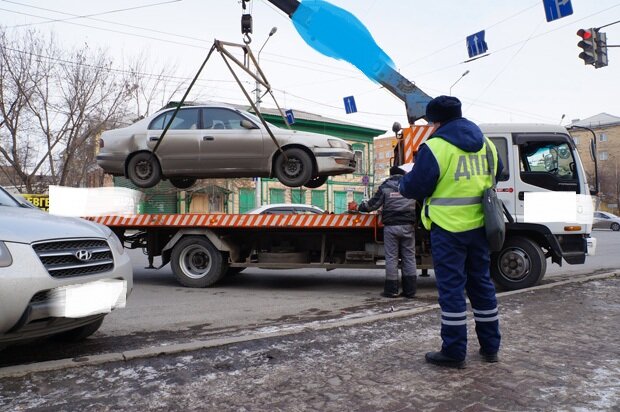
x,y
493,210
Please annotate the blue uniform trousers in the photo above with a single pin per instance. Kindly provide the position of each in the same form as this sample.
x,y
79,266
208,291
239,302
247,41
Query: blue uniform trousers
x,y
461,263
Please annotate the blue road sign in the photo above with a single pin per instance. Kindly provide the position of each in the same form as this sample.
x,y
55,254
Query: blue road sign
x,y
349,104
290,117
556,9
476,44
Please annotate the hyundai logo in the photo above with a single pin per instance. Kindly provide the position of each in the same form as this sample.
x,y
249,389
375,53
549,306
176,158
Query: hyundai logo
x,y
83,255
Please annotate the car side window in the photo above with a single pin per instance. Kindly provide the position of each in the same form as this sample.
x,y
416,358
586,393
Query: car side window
x,y
186,119
217,118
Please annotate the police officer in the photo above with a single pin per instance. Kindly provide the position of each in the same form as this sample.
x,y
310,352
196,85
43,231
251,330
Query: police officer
x,y
449,178
398,214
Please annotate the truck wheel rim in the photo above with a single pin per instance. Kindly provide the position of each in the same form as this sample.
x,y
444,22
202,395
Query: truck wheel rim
x,y
195,262
515,264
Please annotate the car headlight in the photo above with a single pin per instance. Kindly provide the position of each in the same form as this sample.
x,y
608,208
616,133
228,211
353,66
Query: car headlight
x,y
116,243
5,256
338,143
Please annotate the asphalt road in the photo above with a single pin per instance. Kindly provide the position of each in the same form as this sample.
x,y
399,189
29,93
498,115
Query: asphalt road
x,y
161,312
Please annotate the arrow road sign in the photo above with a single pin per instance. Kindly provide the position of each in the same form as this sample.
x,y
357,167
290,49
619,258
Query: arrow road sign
x,y
476,44
290,117
349,105
556,9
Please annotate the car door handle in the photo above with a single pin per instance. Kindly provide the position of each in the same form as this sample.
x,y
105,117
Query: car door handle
x,y
153,139
205,138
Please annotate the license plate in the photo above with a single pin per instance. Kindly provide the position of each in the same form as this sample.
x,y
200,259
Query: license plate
x,y
77,301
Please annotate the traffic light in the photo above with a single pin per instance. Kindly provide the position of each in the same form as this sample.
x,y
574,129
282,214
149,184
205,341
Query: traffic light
x,y
588,45
601,50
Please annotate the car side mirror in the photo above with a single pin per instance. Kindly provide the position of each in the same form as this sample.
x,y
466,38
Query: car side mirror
x,y
246,124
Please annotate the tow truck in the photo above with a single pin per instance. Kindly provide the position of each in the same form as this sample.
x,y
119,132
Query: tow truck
x,y
203,248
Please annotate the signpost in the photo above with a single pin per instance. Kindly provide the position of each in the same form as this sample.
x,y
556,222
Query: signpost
x,y
290,117
476,44
556,9
349,104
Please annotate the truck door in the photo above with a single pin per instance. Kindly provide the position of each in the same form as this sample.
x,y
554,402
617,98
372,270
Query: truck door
x,y
506,183
547,163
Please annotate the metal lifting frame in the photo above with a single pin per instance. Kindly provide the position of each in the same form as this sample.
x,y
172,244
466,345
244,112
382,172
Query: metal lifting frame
x,y
220,47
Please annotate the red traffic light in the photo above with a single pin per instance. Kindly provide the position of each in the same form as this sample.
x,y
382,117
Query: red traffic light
x,y
584,34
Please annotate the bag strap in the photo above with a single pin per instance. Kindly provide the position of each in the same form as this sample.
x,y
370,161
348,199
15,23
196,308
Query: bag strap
x,y
490,162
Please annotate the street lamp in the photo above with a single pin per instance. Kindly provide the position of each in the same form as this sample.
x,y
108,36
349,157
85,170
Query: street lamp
x,y
259,184
458,80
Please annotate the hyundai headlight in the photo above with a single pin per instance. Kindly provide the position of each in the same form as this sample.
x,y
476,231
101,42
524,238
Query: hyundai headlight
x,y
338,143
5,256
116,243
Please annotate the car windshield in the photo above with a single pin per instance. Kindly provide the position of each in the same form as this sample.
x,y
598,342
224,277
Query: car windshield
x,y
7,200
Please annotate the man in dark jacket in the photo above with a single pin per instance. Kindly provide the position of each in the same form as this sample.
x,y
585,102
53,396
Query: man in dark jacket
x,y
449,176
398,215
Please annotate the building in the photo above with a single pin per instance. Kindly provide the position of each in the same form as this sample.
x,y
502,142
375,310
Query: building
x,y
384,153
606,129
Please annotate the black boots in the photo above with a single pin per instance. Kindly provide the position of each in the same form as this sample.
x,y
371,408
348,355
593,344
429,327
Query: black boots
x,y
390,290
488,357
439,359
409,287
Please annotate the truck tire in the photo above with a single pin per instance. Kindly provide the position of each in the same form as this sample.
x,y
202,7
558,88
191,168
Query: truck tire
x,y
520,264
196,263
183,182
81,333
296,171
316,182
234,271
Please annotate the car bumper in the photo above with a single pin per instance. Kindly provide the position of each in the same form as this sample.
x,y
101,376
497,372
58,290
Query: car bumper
x,y
334,162
26,295
112,163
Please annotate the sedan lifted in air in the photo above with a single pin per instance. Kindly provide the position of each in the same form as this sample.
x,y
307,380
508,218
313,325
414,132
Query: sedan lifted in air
x,y
211,141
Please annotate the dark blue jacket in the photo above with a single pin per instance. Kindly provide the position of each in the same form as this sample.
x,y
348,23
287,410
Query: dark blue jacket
x,y
396,210
421,181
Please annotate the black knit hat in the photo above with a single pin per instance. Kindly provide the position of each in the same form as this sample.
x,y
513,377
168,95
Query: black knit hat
x,y
395,170
443,108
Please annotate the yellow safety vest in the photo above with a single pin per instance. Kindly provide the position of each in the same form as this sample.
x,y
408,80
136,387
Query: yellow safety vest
x,y
456,205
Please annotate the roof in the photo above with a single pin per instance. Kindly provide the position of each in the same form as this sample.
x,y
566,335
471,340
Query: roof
x,y
599,120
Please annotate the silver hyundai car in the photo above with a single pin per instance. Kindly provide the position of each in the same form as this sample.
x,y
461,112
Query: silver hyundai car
x,y
58,276
211,141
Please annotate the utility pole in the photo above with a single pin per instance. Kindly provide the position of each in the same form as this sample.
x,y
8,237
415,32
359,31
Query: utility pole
x,y
259,184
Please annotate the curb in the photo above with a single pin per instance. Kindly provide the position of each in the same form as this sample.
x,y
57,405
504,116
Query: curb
x,y
22,370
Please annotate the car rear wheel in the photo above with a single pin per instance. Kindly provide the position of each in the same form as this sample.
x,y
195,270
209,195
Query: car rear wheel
x,y
143,170
615,227
81,333
182,182
316,182
196,263
295,169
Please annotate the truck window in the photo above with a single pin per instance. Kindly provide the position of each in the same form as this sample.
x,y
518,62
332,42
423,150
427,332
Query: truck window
x,y
550,165
502,150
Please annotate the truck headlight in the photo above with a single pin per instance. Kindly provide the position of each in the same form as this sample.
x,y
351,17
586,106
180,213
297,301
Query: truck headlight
x,y
338,143
116,243
5,256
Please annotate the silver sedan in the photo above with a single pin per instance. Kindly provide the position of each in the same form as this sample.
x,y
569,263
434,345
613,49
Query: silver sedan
x,y
211,141
606,220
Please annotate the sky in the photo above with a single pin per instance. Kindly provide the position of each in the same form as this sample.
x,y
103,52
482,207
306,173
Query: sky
x,y
531,75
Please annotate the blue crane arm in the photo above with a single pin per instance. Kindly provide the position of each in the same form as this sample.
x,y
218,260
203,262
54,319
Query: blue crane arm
x,y
336,33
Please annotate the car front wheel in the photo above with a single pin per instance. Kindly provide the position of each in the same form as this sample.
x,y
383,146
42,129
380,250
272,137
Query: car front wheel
x,y
143,170
294,169
182,182
316,182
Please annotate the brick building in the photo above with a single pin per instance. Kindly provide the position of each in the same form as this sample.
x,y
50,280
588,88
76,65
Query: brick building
x,y
606,128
